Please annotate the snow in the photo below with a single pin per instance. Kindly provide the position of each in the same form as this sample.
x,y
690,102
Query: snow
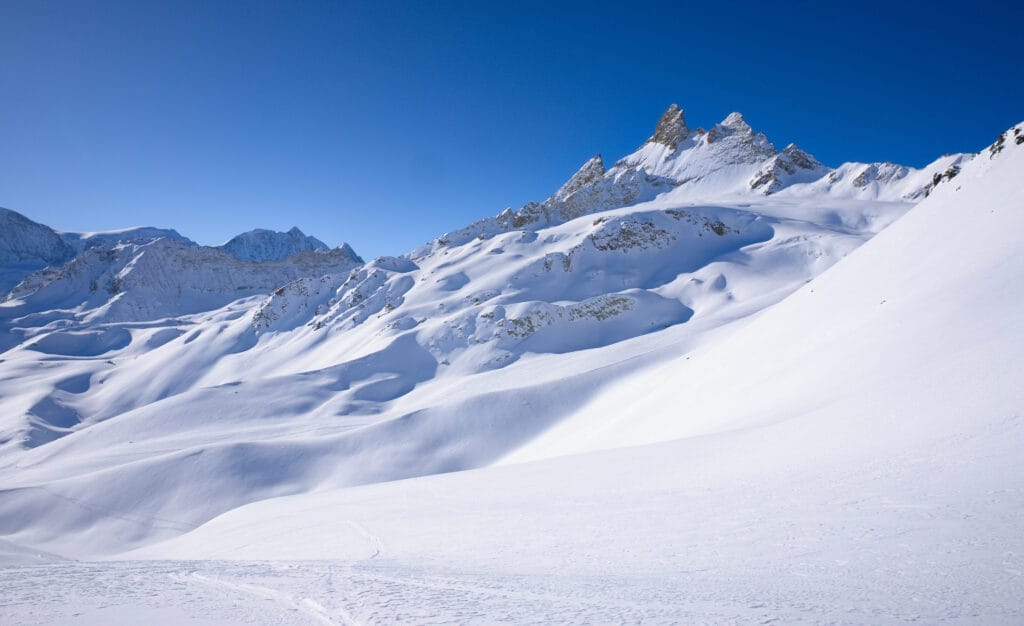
x,y
266,245
110,238
157,279
27,246
669,409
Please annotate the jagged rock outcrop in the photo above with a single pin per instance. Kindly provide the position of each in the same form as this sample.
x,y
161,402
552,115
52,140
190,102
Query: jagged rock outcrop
x,y
671,129
592,170
729,159
790,166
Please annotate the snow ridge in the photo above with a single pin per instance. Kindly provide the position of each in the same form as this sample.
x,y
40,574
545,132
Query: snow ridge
x,y
111,238
26,246
730,161
265,245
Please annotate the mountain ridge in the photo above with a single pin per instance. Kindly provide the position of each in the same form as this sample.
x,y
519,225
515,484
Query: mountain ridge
x,y
729,161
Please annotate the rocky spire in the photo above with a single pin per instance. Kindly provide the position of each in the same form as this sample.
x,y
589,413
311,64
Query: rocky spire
x,y
789,166
591,171
735,121
671,129
799,158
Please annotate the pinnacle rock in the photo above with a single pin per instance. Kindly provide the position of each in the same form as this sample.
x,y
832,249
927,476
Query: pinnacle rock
x,y
671,129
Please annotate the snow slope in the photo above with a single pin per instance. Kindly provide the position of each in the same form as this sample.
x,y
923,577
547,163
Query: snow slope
x,y
849,456
936,294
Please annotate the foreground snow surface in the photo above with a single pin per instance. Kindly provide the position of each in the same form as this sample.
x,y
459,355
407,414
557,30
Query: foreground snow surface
x,y
719,529
849,454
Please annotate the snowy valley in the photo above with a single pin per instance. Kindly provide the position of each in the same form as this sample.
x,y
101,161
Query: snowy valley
x,y
715,381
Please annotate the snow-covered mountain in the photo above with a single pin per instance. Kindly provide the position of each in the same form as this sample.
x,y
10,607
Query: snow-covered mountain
x,y
268,245
679,299
160,278
142,274
729,163
851,455
110,238
26,246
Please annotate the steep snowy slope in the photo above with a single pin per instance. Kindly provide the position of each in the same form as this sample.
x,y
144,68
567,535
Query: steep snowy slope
x,y
850,455
159,367
922,328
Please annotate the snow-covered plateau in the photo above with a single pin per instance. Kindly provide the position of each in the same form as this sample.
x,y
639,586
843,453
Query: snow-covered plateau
x,y
713,382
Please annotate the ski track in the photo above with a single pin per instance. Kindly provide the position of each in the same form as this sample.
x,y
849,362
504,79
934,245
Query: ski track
x,y
375,592
303,606
375,540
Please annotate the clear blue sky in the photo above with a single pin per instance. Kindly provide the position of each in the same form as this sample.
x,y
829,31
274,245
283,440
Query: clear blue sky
x,y
385,124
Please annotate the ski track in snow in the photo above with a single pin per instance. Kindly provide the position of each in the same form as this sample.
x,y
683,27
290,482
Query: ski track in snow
x,y
326,592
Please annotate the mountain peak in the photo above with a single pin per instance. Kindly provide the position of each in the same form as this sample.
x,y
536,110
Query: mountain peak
x,y
347,250
26,246
799,157
790,166
589,172
262,245
671,128
735,121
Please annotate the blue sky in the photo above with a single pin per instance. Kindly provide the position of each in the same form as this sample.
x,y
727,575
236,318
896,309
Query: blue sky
x,y
385,124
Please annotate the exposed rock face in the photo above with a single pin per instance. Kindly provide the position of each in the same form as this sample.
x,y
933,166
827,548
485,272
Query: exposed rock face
x,y
941,177
736,122
671,129
740,143
623,186
799,158
789,166
881,172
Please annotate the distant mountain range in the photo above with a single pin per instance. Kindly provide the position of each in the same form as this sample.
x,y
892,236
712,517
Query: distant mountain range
x,y
27,246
